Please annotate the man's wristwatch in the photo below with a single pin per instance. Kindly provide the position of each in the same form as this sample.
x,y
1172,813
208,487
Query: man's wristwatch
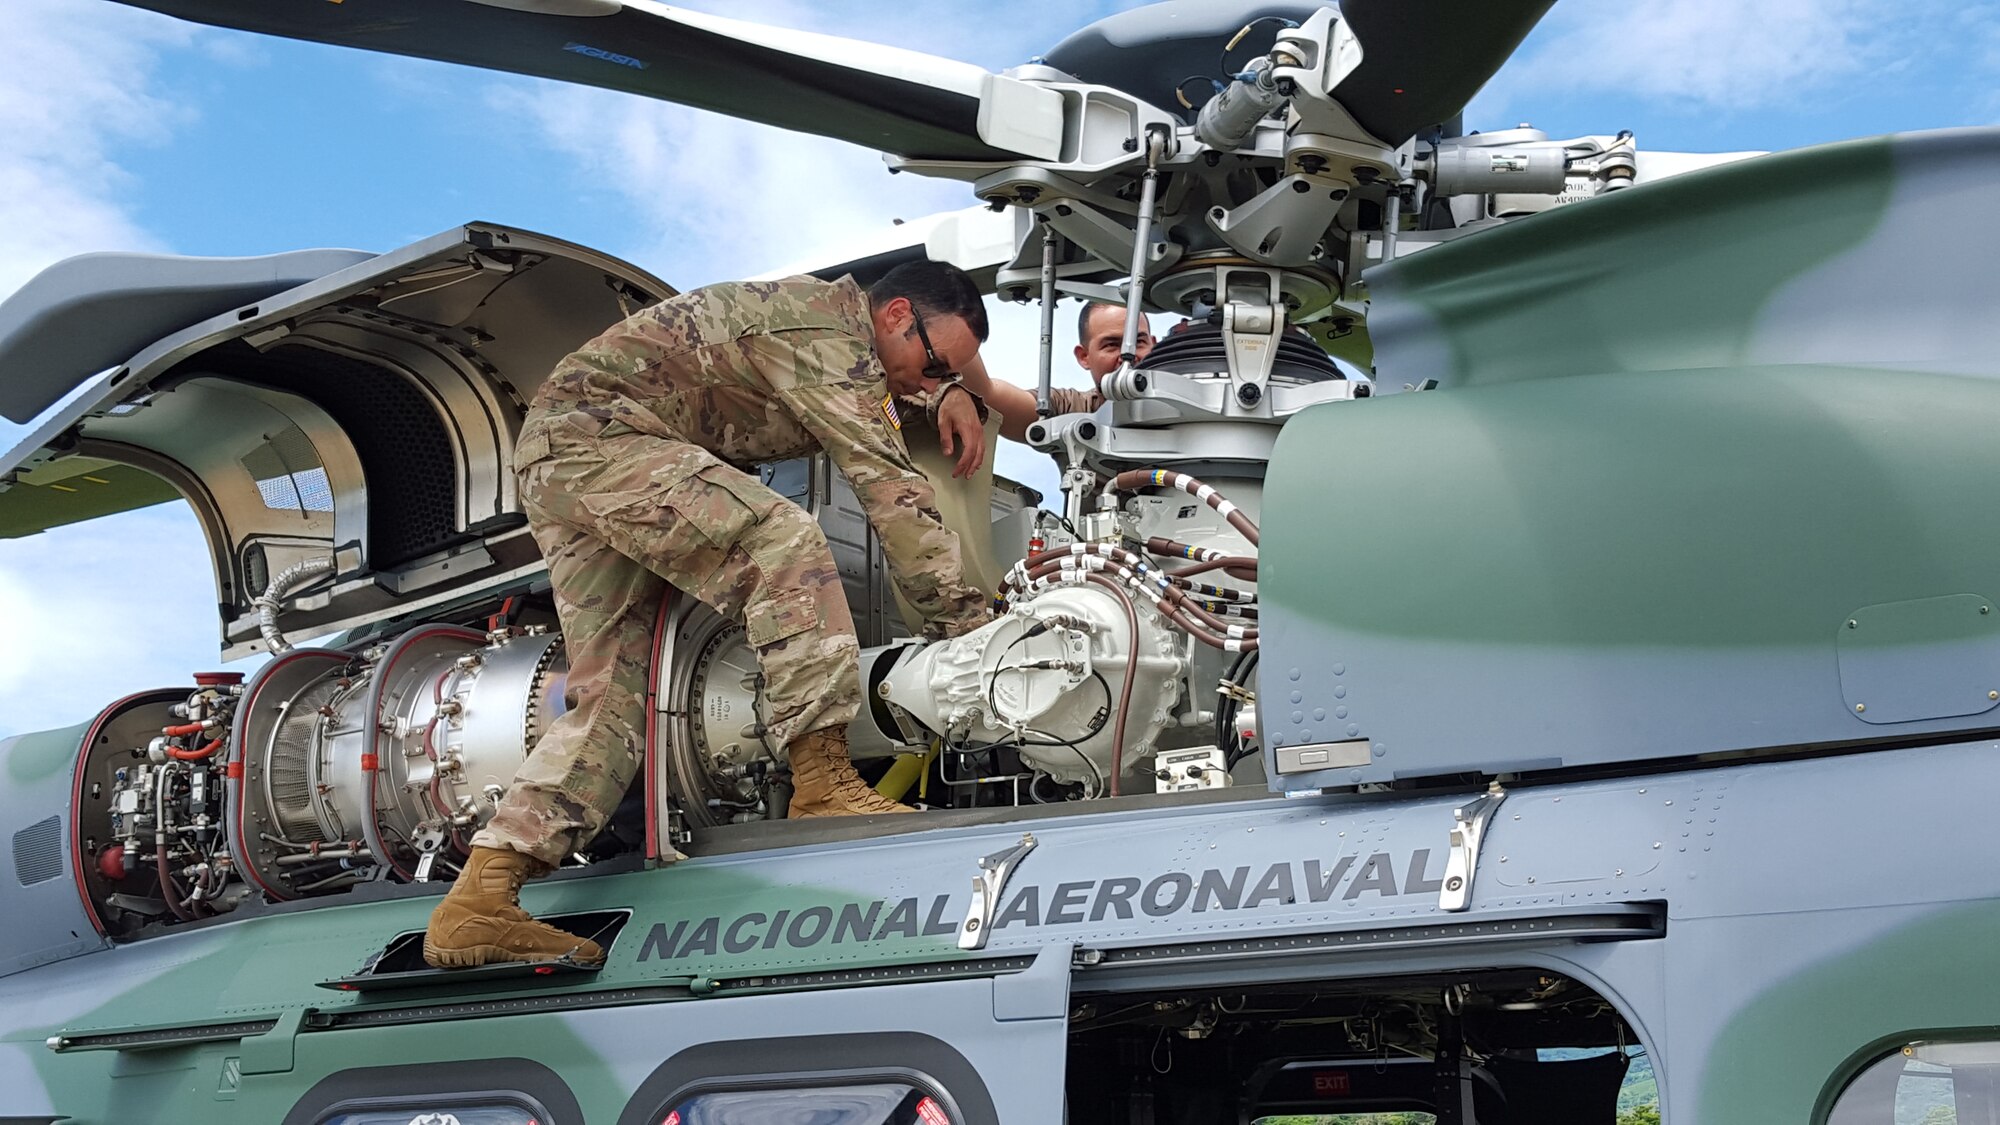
x,y
946,385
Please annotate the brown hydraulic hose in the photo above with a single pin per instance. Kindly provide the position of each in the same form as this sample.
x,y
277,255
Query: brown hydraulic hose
x,y
1214,640
1174,597
1142,567
1236,566
1164,547
1171,610
1175,604
1131,673
1136,479
1240,567
170,890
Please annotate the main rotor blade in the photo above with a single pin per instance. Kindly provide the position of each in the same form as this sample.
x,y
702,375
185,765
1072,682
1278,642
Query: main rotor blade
x,y
885,98
1424,59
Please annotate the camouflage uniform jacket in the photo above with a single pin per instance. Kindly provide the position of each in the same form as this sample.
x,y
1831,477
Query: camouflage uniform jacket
x,y
768,371
1071,400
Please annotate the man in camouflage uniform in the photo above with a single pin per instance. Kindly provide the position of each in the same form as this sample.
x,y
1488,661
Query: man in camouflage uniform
x,y
628,474
1100,331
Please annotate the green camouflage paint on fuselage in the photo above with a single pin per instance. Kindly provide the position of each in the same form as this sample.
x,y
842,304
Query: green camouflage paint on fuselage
x,y
1791,1049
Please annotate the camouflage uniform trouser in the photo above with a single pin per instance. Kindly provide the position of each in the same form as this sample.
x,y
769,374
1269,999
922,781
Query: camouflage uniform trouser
x,y
619,515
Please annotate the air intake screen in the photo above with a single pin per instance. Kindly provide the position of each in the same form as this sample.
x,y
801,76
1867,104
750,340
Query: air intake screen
x,y
38,852
288,473
406,452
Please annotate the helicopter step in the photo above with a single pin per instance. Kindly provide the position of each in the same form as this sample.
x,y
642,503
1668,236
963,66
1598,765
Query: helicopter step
x,y
400,965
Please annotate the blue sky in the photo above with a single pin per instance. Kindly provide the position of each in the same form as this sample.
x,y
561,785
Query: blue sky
x,y
120,129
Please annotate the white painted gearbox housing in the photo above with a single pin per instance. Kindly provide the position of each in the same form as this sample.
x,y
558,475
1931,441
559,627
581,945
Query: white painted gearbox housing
x,y
1047,676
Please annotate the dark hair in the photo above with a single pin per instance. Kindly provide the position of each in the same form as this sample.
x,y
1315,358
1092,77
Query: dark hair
x,y
1083,318
936,289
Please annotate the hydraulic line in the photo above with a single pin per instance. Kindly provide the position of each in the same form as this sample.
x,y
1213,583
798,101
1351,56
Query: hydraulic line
x,y
1173,604
1232,565
1233,638
1135,479
1156,587
207,751
169,889
1164,547
1034,562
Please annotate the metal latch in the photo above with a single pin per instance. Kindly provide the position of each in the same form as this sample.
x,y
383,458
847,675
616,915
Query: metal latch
x,y
1467,830
987,887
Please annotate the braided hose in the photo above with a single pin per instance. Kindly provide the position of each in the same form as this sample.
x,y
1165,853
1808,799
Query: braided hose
x,y
1130,567
272,599
1236,566
1170,604
1136,479
1179,592
1145,570
1240,567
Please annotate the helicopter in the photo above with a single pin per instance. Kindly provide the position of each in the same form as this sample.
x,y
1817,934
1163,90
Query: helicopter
x,y
1665,546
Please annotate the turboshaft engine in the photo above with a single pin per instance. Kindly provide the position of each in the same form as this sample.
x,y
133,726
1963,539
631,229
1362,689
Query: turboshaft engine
x,y
385,759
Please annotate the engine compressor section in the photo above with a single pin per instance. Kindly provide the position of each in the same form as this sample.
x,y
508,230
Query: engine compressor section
x,y
327,769
390,759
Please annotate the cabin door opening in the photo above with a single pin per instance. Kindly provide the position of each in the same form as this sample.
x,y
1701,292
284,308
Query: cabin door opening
x,y
1486,1047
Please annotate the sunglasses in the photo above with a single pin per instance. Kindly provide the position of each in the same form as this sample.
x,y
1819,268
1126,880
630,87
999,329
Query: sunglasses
x,y
934,368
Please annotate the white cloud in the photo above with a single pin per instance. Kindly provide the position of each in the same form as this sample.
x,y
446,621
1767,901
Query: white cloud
x,y
99,610
125,603
78,82
722,198
1732,56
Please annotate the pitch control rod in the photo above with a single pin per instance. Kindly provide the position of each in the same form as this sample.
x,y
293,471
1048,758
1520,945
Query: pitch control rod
x,y
1046,372
1142,245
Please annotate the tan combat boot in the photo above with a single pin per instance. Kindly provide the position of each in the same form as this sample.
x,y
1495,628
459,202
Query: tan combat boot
x,y
481,920
824,782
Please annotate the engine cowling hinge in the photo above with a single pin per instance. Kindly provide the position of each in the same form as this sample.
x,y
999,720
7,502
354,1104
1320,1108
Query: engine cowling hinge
x,y
1468,829
987,887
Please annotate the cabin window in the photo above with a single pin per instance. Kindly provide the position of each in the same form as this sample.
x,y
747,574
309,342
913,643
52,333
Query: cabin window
x,y
863,1078
435,1113
511,1091
875,1103
1349,1119
1925,1083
